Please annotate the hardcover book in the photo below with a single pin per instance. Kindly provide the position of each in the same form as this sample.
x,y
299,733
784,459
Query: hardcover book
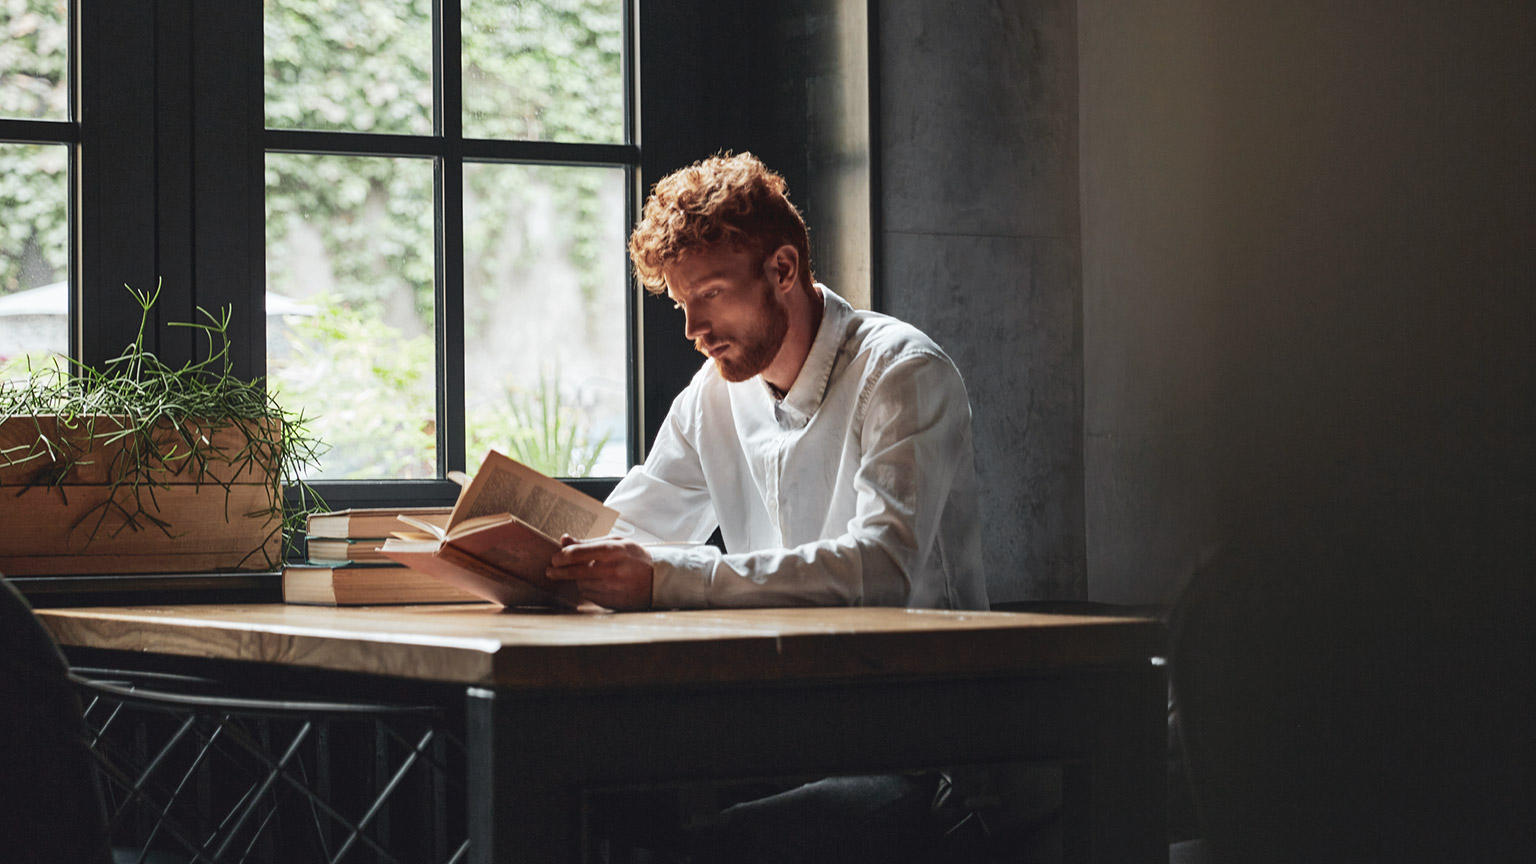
x,y
501,534
334,550
356,584
370,522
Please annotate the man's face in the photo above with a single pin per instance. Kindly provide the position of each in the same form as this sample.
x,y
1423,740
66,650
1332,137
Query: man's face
x,y
733,313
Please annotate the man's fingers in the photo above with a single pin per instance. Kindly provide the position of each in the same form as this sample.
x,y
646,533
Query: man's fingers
x,y
579,552
583,567
613,572
594,569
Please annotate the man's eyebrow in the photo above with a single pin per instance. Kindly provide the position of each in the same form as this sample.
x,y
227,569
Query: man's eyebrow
x,y
711,276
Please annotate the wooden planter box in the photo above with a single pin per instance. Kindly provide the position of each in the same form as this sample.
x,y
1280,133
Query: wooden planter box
x,y
178,516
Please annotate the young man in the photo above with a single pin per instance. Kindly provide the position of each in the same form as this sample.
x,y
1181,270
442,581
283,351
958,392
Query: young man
x,y
831,446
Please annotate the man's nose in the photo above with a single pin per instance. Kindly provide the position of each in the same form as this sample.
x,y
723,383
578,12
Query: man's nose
x,y
694,324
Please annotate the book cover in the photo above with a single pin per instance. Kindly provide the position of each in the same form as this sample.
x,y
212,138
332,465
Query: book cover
x,y
330,550
356,584
370,522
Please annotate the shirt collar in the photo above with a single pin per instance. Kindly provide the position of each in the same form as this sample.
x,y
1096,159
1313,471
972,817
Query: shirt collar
x,y
810,387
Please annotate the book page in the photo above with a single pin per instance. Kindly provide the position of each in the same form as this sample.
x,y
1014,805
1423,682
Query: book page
x,y
504,485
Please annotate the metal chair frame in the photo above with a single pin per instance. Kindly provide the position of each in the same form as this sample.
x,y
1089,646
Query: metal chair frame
x,y
274,743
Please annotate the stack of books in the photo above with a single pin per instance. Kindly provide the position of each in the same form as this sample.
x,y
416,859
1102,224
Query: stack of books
x,y
344,567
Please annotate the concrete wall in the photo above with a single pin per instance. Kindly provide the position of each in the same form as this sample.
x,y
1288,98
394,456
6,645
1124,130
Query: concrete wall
x,y
979,247
1309,270
1308,265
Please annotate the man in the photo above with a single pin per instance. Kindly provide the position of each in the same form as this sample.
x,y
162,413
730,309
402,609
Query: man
x,y
831,446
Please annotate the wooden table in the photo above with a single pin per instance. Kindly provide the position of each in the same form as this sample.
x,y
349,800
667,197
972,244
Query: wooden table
x,y
562,703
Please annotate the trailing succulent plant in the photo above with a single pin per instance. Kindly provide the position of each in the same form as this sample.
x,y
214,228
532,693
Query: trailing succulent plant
x,y
151,422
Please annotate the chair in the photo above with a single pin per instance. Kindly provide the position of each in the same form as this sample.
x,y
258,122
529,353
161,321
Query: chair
x,y
192,769
1353,688
50,802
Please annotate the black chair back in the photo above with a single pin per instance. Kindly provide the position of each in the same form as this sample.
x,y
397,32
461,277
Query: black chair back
x,y
50,802
1360,689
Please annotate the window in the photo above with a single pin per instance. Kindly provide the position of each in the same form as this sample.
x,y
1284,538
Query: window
x,y
140,142
36,155
445,229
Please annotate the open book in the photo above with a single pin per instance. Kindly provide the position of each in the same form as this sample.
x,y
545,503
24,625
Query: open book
x,y
502,532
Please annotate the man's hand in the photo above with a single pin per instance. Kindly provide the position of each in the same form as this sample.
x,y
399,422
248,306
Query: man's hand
x,y
610,572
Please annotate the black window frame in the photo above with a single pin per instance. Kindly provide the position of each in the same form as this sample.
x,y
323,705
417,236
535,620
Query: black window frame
x,y
169,146
168,143
450,151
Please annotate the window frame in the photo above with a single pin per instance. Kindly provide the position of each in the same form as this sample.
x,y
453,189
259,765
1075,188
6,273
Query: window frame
x,y
450,151
64,133
159,82
168,145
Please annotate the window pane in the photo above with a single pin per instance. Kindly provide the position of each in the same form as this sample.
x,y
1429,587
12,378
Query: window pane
x,y
349,65
349,304
545,317
34,54
34,254
548,70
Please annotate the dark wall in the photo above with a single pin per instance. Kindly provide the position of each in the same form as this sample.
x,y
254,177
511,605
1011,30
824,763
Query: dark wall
x,y
1309,245
788,82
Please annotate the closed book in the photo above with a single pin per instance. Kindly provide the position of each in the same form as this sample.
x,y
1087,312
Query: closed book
x,y
366,585
367,522
330,550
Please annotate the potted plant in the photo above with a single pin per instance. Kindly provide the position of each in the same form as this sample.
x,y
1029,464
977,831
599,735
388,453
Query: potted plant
x,y
141,467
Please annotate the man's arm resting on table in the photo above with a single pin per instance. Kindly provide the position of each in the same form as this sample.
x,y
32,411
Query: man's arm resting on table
x,y
911,442
914,441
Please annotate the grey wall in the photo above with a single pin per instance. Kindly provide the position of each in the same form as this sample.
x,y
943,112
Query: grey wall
x,y
1201,262
1309,270
1308,265
980,247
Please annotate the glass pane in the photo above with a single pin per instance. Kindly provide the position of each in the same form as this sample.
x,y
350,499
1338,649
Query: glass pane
x,y
545,320
34,55
545,70
349,65
349,306
34,255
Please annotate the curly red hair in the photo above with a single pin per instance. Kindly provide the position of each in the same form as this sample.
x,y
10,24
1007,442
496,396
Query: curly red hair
x,y
731,201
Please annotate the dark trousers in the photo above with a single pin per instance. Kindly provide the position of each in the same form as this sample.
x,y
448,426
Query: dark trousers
x,y
884,817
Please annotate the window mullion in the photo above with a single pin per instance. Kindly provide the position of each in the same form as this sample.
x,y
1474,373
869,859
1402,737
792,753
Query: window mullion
x,y
447,122
634,194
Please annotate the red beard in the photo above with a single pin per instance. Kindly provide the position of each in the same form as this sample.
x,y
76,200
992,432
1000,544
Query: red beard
x,y
751,351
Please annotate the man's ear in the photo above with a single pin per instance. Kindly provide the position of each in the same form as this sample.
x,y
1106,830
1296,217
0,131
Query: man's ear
x,y
783,267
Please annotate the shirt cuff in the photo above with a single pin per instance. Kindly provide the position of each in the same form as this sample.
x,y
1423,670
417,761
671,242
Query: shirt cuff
x,y
681,576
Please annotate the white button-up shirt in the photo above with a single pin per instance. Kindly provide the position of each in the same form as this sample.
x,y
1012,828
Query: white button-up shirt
x,y
857,488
